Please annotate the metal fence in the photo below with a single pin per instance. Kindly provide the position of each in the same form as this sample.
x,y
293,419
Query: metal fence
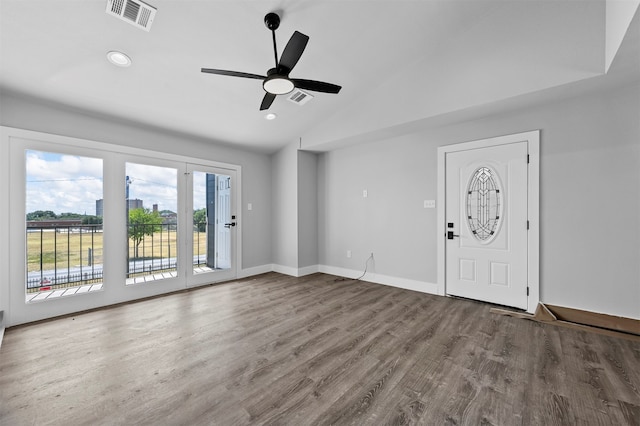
x,y
64,281
62,256
152,248
68,256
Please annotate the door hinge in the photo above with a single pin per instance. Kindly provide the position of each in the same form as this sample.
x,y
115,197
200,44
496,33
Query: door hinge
x,y
527,158
527,291
527,225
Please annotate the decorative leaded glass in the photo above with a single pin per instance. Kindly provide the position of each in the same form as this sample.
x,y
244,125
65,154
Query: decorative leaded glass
x,y
484,204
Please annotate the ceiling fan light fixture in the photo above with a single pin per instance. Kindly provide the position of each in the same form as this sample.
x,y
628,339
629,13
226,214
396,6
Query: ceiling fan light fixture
x,y
277,85
118,58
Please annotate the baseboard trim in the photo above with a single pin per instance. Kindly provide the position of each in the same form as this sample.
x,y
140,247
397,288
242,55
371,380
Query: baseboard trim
x,y
294,272
256,270
407,284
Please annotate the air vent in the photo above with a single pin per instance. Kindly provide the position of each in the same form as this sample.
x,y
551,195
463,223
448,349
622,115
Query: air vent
x,y
299,97
136,13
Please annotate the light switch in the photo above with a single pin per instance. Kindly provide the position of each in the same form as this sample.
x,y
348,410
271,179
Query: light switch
x,y
249,206
429,204
365,193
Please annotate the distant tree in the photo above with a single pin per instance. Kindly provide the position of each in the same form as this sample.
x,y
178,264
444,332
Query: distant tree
x,y
142,222
91,220
200,219
67,216
41,215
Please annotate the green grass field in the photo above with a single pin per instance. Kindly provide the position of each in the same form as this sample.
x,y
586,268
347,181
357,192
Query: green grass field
x,y
50,250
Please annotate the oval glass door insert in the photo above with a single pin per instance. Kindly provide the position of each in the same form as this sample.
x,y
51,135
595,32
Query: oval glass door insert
x,y
484,204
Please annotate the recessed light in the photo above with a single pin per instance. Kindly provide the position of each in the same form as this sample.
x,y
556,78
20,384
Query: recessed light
x,y
118,58
270,116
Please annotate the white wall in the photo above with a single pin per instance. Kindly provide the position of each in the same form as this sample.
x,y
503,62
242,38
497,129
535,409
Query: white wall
x,y
589,205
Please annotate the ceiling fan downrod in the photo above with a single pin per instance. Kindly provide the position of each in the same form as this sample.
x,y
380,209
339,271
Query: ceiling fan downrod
x,y
272,21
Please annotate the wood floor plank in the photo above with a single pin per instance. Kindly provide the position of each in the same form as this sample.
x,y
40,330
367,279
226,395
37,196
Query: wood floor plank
x,y
319,349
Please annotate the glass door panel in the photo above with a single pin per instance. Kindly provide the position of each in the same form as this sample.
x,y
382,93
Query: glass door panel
x,y
213,224
152,222
63,235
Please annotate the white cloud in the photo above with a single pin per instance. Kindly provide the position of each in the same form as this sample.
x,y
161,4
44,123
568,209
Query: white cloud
x,y
62,183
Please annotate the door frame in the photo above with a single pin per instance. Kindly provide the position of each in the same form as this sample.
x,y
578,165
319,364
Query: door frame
x,y
533,209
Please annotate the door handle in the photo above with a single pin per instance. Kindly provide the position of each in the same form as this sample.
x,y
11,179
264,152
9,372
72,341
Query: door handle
x,y
229,225
450,235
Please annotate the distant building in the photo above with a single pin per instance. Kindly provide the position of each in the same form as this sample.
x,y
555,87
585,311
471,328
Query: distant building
x,y
134,204
169,217
131,204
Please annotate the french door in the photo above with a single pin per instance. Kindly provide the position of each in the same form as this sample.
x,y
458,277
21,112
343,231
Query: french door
x,y
95,227
212,224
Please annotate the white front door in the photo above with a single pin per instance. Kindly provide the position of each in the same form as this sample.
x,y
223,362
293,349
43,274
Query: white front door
x,y
487,225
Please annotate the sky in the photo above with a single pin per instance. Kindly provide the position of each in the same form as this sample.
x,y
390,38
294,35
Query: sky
x,y
72,184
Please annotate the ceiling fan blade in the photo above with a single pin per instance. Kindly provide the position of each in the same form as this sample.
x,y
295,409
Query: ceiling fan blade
x,y
316,86
233,73
267,101
293,50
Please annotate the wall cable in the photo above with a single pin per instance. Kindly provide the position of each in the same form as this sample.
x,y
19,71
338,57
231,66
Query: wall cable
x,y
366,264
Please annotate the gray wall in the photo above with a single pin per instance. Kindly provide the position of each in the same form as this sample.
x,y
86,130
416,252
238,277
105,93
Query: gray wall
x,y
307,209
295,210
284,165
256,168
589,202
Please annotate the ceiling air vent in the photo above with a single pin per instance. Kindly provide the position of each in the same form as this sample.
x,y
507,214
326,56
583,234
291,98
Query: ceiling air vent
x,y
299,97
136,12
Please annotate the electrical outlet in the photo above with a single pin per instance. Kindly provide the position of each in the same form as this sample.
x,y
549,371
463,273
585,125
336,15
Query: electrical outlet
x,y
365,193
349,254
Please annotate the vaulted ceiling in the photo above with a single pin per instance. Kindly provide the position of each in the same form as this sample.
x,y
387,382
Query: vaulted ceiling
x,y
399,62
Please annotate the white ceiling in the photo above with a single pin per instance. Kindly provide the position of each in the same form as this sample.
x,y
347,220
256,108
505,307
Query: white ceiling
x,y
399,62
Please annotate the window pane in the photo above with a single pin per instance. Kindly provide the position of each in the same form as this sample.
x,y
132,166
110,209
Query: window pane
x,y
151,203
484,204
64,231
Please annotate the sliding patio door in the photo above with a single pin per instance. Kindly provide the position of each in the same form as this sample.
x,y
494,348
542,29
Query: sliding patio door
x,y
212,224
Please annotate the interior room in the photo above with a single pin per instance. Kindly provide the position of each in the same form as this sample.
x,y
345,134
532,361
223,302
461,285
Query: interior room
x,y
319,212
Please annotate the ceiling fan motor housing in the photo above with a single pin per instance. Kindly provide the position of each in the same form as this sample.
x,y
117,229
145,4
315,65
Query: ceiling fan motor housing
x,y
277,82
272,21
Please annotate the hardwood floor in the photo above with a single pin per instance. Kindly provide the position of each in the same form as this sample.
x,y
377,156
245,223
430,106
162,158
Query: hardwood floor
x,y
316,350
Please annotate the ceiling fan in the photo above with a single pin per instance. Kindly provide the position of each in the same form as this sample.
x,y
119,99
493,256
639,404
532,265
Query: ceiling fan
x,y
277,81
